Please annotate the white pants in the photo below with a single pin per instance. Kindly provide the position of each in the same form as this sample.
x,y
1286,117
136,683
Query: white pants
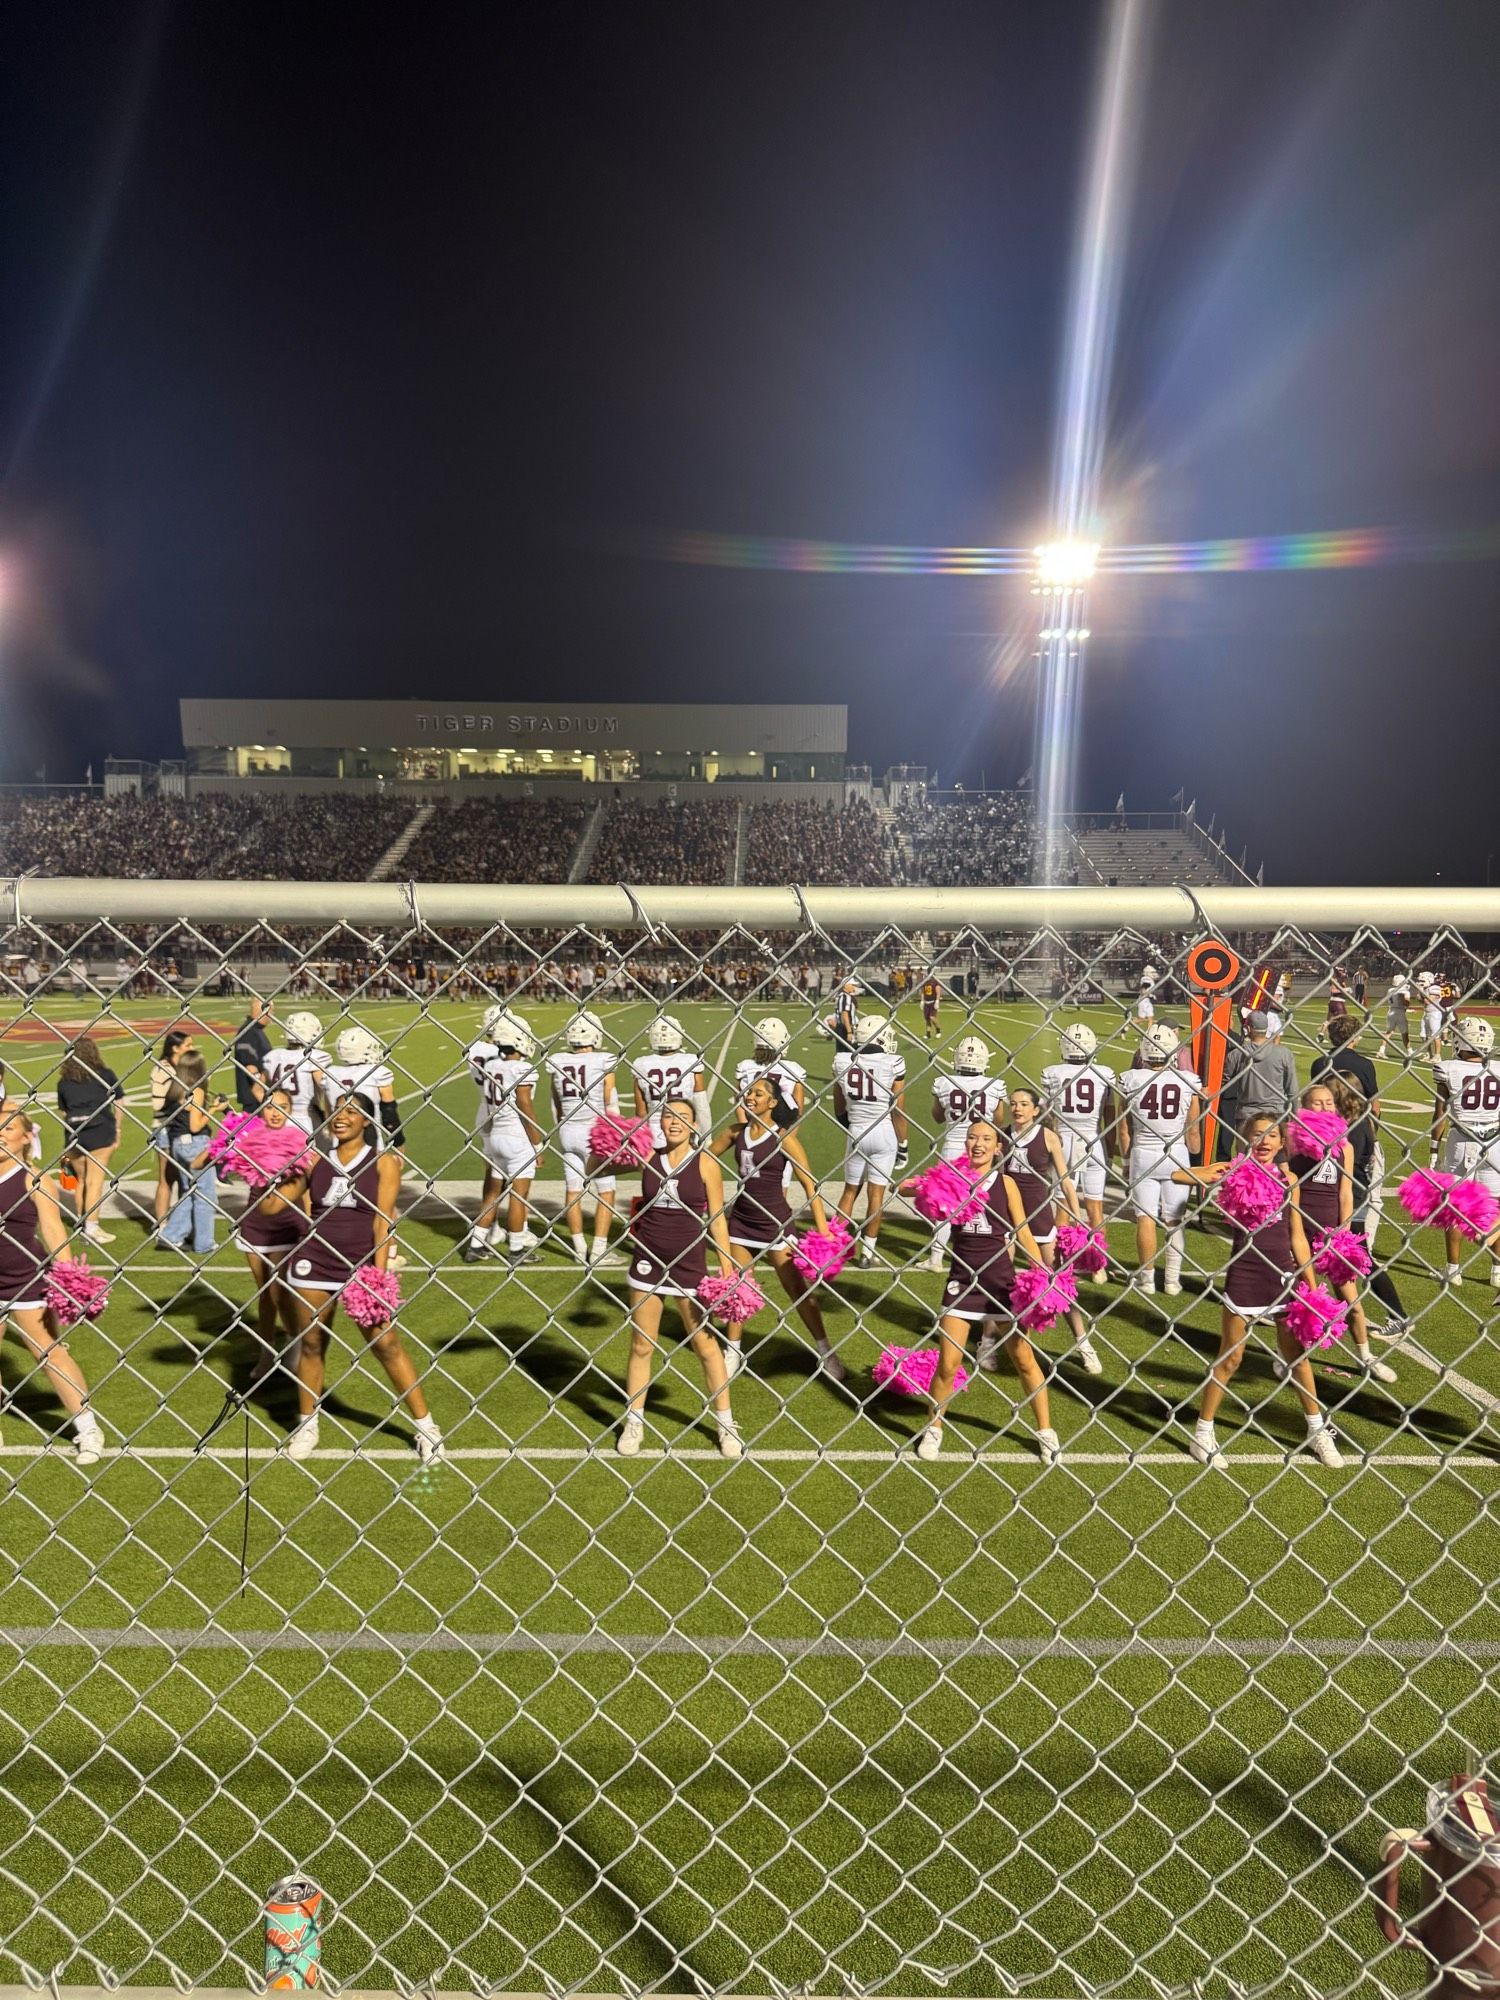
x,y
1472,1159
871,1158
1086,1163
1153,1192
510,1154
1432,1023
1145,1010
574,1146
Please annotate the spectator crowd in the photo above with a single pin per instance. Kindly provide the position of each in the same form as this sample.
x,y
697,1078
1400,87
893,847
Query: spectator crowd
x,y
498,840
666,843
803,843
310,838
989,841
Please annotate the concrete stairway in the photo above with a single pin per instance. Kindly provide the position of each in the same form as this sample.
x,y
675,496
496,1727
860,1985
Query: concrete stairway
x,y
396,853
588,840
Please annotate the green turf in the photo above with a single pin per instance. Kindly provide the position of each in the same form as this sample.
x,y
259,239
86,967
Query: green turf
x,y
732,1809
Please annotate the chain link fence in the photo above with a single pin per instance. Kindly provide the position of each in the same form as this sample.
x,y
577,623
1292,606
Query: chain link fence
x,y
1047,1686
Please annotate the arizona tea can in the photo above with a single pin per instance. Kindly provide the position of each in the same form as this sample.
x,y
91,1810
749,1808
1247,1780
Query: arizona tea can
x,y
294,1941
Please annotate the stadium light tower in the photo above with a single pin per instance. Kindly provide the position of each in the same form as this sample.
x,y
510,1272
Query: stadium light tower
x,y
1063,566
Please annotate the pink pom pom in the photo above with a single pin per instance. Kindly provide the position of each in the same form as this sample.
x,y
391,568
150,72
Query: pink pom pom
x,y
732,1300
1250,1194
246,1148
942,1190
1082,1249
1474,1210
1342,1256
908,1371
75,1292
818,1257
1039,1298
621,1142
1316,1318
1424,1195
372,1296
1313,1135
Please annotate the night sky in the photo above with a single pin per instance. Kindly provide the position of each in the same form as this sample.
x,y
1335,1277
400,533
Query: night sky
x,y
345,351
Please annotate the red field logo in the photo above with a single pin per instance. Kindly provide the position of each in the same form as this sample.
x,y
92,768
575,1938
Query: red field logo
x,y
32,1028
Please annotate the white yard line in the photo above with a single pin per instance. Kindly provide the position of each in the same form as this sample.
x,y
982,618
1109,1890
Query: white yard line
x,y
1449,1376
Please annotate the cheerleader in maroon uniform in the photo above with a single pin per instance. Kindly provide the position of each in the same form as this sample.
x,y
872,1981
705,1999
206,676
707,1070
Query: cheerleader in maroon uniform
x,y
348,1204
760,1218
32,1235
681,1208
978,1289
267,1240
1264,1265
1325,1187
1033,1157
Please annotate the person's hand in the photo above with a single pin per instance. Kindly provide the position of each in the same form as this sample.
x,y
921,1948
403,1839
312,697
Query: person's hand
x,y
728,1268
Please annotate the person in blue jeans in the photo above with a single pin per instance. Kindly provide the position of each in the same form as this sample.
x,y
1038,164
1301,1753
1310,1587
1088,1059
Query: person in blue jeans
x,y
187,1124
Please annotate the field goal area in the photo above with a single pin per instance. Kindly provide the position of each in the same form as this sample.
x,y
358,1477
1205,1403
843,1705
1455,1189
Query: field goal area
x,y
827,1717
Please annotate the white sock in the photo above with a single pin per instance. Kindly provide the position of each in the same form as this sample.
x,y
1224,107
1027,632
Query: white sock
x,y
580,1248
426,1425
1455,1270
515,1238
1176,1245
480,1234
1203,1432
1314,1422
942,1235
724,1419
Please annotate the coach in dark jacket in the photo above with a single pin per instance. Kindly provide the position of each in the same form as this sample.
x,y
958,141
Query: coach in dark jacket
x,y
251,1047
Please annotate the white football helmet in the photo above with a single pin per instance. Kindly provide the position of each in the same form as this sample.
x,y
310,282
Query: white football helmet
x,y
772,1036
1158,1045
868,1029
1078,1042
665,1034
890,1041
972,1056
507,1030
303,1029
1474,1033
585,1031
358,1045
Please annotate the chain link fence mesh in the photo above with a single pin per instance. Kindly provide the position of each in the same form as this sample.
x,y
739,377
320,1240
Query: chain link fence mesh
x,y
829,1716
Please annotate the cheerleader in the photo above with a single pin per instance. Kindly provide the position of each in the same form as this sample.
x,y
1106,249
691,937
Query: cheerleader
x,y
266,1240
1034,1158
1263,1266
760,1218
681,1208
349,1200
1325,1188
32,1234
978,1289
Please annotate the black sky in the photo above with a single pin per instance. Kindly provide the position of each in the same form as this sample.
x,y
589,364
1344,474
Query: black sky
x,y
342,346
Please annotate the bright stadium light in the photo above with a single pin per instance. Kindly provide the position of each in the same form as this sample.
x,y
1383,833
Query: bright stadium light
x,y
1065,565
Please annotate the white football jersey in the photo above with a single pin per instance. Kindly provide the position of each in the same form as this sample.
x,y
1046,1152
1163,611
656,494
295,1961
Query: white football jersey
x,y
1158,1102
578,1079
296,1071
369,1079
869,1081
1074,1094
960,1100
499,1078
784,1073
1471,1091
661,1077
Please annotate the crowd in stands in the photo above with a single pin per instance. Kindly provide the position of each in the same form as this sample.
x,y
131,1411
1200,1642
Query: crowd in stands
x,y
803,843
666,843
498,840
304,839
989,841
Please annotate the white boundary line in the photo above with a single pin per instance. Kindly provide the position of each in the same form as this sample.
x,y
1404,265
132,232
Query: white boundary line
x,y
895,1454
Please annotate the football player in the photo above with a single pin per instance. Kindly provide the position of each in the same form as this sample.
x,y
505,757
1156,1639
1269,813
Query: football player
x,y
583,1089
359,1066
1432,1020
965,1093
1466,1124
869,1101
1079,1095
932,994
1145,1000
300,1068
1160,1109
1397,1021
670,1070
500,1063
769,1058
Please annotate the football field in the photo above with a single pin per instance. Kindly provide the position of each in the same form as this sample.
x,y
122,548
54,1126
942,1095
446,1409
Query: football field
x,y
827,1716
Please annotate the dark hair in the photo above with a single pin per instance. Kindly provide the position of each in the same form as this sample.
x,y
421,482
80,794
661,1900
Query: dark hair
x,y
361,1103
190,1073
1343,1028
83,1063
171,1043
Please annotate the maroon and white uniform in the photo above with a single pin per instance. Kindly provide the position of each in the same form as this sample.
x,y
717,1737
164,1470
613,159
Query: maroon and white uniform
x,y
982,1272
1470,1091
23,1261
1261,1268
270,1236
1028,1164
340,1239
1318,1187
760,1217
669,1229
